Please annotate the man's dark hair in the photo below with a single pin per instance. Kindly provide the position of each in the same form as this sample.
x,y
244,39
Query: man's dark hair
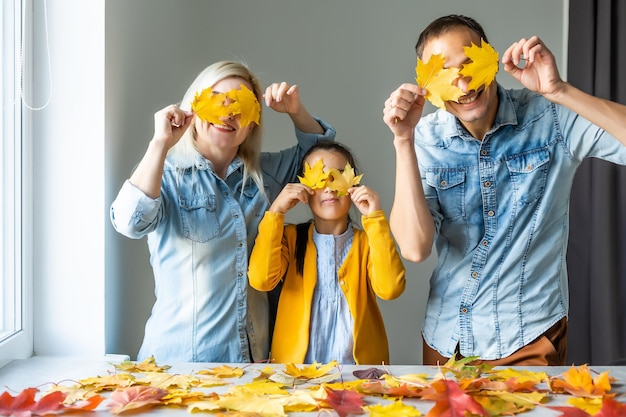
x,y
445,24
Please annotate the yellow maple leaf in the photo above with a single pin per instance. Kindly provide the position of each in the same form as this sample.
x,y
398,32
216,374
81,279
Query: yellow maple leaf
x,y
592,406
314,370
262,387
396,408
211,106
298,402
501,403
223,371
483,65
108,382
249,402
164,380
314,177
438,80
521,376
182,397
147,365
341,181
249,106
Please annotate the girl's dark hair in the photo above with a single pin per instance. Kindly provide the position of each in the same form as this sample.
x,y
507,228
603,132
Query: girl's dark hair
x,y
443,25
302,229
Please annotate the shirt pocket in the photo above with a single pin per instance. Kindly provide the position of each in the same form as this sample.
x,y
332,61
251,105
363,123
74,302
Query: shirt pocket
x,y
253,202
198,217
450,186
528,172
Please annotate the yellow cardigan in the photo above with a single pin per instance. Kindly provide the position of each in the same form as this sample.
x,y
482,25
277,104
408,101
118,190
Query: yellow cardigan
x,y
372,268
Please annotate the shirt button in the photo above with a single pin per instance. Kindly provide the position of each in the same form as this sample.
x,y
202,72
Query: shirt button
x,y
239,244
491,213
485,243
342,282
487,184
225,193
443,183
483,152
464,310
474,274
240,274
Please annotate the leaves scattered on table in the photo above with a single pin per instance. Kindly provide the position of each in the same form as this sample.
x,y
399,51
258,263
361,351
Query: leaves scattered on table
x,y
457,388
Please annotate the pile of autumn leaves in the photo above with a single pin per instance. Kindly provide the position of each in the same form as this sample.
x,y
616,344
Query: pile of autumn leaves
x,y
457,389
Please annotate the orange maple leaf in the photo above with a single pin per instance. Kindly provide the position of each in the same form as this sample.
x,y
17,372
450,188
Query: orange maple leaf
x,y
438,80
482,67
578,381
451,400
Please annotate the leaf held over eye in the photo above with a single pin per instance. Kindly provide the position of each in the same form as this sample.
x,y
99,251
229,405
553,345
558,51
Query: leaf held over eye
x,y
483,66
210,106
314,177
438,80
342,181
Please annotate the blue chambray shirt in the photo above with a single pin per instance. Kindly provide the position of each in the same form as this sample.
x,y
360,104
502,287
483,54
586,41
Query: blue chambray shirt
x,y
200,232
501,211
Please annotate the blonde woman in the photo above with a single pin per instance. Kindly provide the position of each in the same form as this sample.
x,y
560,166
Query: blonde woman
x,y
198,195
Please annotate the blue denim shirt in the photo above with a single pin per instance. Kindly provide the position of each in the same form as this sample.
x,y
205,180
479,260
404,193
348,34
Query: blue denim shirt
x,y
501,210
200,232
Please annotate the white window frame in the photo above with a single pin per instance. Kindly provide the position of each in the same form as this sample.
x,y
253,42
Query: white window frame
x,y
16,326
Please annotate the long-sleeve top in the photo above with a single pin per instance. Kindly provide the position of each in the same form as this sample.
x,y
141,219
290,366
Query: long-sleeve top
x,y
200,232
372,267
501,208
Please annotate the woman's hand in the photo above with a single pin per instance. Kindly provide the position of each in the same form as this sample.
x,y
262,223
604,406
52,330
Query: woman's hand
x,y
283,98
169,125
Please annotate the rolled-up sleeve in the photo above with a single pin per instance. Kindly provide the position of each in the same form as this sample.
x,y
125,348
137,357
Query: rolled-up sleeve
x,y
133,213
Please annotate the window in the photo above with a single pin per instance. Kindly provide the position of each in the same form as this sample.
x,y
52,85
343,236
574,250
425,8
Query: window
x,y
15,314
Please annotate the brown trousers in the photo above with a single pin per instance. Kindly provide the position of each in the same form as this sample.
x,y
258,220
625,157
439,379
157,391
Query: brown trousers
x,y
549,349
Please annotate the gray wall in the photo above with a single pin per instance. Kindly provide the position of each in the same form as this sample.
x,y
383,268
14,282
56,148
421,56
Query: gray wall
x,y
346,56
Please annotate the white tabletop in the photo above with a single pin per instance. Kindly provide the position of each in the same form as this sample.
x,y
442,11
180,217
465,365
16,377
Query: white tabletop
x,y
42,372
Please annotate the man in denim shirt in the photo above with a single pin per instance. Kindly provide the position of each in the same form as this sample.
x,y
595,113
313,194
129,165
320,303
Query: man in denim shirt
x,y
496,169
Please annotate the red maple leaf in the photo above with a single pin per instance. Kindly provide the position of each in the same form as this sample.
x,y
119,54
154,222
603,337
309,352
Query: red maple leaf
x,y
25,405
344,402
451,400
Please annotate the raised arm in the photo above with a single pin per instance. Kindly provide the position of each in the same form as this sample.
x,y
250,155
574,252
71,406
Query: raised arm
x,y
285,98
540,74
410,219
169,125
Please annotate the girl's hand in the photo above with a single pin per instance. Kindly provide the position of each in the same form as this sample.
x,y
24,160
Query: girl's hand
x,y
283,98
365,199
290,196
169,125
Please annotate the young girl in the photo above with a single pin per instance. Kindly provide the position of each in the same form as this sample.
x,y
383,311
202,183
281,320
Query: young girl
x,y
332,271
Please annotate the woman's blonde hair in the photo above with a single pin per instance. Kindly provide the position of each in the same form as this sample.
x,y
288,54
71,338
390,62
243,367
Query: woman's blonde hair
x,y
185,154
